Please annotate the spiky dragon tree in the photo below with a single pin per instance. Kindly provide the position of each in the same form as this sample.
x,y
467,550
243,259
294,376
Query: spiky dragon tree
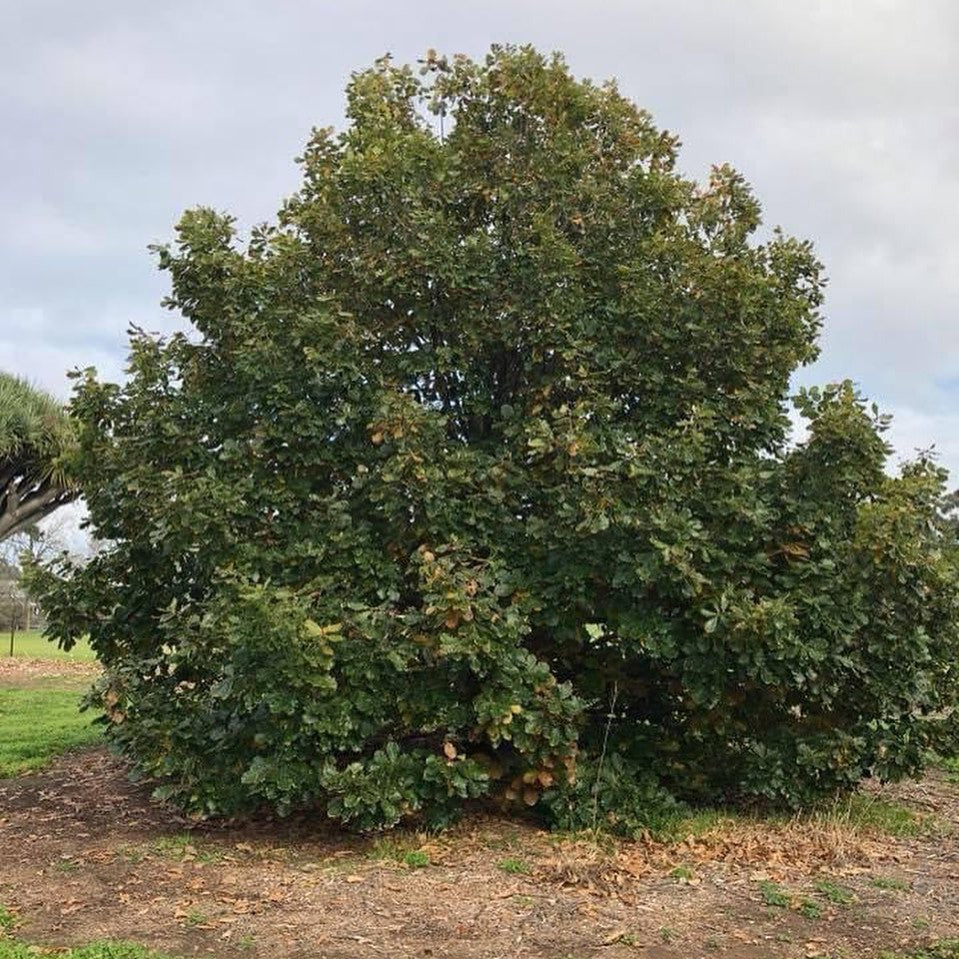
x,y
35,432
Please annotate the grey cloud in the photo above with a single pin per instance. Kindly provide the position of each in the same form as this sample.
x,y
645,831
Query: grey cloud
x,y
844,116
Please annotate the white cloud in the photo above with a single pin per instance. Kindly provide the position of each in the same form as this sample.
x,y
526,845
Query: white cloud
x,y
40,350
914,431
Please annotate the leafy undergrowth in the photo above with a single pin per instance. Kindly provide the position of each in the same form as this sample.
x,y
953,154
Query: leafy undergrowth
x,y
37,725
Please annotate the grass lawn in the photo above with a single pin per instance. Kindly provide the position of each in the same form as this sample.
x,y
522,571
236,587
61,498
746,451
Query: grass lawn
x,y
37,725
32,645
39,708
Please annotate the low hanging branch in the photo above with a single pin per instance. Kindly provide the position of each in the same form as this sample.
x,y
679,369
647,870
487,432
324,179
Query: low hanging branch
x,y
34,434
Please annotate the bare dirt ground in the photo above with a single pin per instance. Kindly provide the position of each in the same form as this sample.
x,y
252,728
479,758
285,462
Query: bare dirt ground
x,y
84,854
46,672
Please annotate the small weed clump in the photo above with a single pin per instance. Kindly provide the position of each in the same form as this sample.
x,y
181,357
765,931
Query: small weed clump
x,y
809,909
184,846
400,849
836,894
889,883
195,918
774,895
944,949
514,866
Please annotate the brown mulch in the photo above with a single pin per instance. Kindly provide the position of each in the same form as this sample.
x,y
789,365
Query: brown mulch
x,y
23,671
85,854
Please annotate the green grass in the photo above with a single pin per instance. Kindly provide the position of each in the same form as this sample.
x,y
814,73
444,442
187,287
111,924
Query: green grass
x,y
694,823
512,865
869,813
944,949
184,847
809,909
401,848
32,645
951,766
836,894
774,895
37,725
890,883
11,949
859,812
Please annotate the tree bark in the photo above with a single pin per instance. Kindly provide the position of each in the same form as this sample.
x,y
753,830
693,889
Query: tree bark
x,y
21,511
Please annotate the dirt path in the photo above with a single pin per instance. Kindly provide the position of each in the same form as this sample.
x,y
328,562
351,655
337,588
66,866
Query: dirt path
x,y
21,672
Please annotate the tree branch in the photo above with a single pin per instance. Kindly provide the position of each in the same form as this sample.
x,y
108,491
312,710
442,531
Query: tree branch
x,y
31,508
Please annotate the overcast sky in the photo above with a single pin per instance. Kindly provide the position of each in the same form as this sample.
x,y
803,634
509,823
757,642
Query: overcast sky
x,y
844,115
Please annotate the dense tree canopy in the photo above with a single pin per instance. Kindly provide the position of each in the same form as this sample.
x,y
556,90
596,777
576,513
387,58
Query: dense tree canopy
x,y
35,433
476,467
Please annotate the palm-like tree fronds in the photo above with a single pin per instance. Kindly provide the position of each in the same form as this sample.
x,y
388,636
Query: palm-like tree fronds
x,y
35,433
